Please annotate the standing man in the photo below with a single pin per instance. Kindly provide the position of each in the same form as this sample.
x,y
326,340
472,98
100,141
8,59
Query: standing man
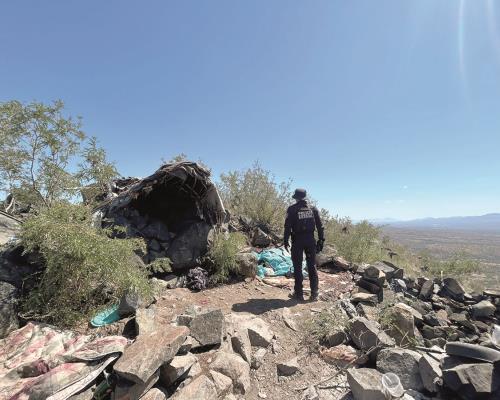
x,y
301,221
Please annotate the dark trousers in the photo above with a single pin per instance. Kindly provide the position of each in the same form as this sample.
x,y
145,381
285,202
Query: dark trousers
x,y
300,247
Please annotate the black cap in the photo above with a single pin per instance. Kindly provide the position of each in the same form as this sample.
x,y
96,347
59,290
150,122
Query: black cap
x,y
299,194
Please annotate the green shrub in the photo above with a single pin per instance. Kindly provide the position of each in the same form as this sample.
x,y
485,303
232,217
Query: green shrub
x,y
255,194
85,269
458,266
357,243
222,254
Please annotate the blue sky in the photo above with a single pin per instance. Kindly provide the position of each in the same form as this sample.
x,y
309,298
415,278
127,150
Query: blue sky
x,y
382,108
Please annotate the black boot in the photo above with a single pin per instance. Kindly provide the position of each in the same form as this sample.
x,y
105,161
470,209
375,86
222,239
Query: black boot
x,y
314,297
295,296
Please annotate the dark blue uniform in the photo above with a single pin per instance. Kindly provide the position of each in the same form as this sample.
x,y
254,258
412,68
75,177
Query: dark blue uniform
x,y
301,221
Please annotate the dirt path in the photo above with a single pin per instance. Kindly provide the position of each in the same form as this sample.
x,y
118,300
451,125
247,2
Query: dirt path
x,y
267,302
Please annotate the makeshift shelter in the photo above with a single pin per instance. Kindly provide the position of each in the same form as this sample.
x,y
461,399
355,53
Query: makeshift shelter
x,y
174,210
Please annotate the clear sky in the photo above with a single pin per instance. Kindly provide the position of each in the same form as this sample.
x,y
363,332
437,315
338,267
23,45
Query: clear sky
x,y
383,108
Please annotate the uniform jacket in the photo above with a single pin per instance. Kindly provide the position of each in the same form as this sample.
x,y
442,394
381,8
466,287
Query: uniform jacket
x,y
301,221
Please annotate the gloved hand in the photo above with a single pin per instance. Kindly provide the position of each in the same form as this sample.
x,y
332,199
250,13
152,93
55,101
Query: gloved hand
x,y
286,246
319,245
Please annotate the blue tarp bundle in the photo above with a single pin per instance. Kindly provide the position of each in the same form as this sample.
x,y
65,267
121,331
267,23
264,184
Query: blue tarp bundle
x,y
278,260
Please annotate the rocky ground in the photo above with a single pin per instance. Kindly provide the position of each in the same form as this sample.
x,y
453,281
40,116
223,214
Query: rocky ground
x,y
249,340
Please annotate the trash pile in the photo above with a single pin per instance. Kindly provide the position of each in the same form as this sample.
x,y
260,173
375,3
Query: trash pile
x,y
417,339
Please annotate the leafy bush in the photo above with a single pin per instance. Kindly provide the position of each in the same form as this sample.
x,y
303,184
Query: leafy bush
x,y
457,266
361,242
85,269
255,194
222,254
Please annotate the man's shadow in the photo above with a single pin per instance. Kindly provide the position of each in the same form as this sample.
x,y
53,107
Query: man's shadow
x,y
260,306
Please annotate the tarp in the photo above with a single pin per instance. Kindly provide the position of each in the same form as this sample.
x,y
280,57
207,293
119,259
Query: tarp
x,y
39,361
276,262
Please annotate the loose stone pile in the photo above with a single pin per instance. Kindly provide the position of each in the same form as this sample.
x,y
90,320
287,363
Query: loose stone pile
x,y
432,334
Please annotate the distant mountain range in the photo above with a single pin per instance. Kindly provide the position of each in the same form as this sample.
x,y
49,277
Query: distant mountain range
x,y
487,222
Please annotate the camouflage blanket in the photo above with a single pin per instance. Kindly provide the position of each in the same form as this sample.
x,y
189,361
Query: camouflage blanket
x,y
39,362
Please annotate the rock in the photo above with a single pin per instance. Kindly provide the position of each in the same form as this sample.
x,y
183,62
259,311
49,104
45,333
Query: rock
x,y
430,372
260,238
176,369
247,264
365,383
288,368
241,344
189,245
8,315
462,319
483,309
236,368
367,335
326,257
127,390
433,332
452,288
223,383
156,230
259,332
341,263
404,363
288,319
154,394
427,290
188,344
433,319
207,326
472,381
402,324
373,274
199,388
258,358
145,321
143,357
130,302
364,297
367,311
310,394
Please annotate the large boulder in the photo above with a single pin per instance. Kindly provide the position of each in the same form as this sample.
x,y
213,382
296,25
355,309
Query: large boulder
x,y
366,384
367,335
404,363
473,381
199,388
189,245
430,372
8,315
143,357
326,257
453,289
233,366
207,326
402,324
